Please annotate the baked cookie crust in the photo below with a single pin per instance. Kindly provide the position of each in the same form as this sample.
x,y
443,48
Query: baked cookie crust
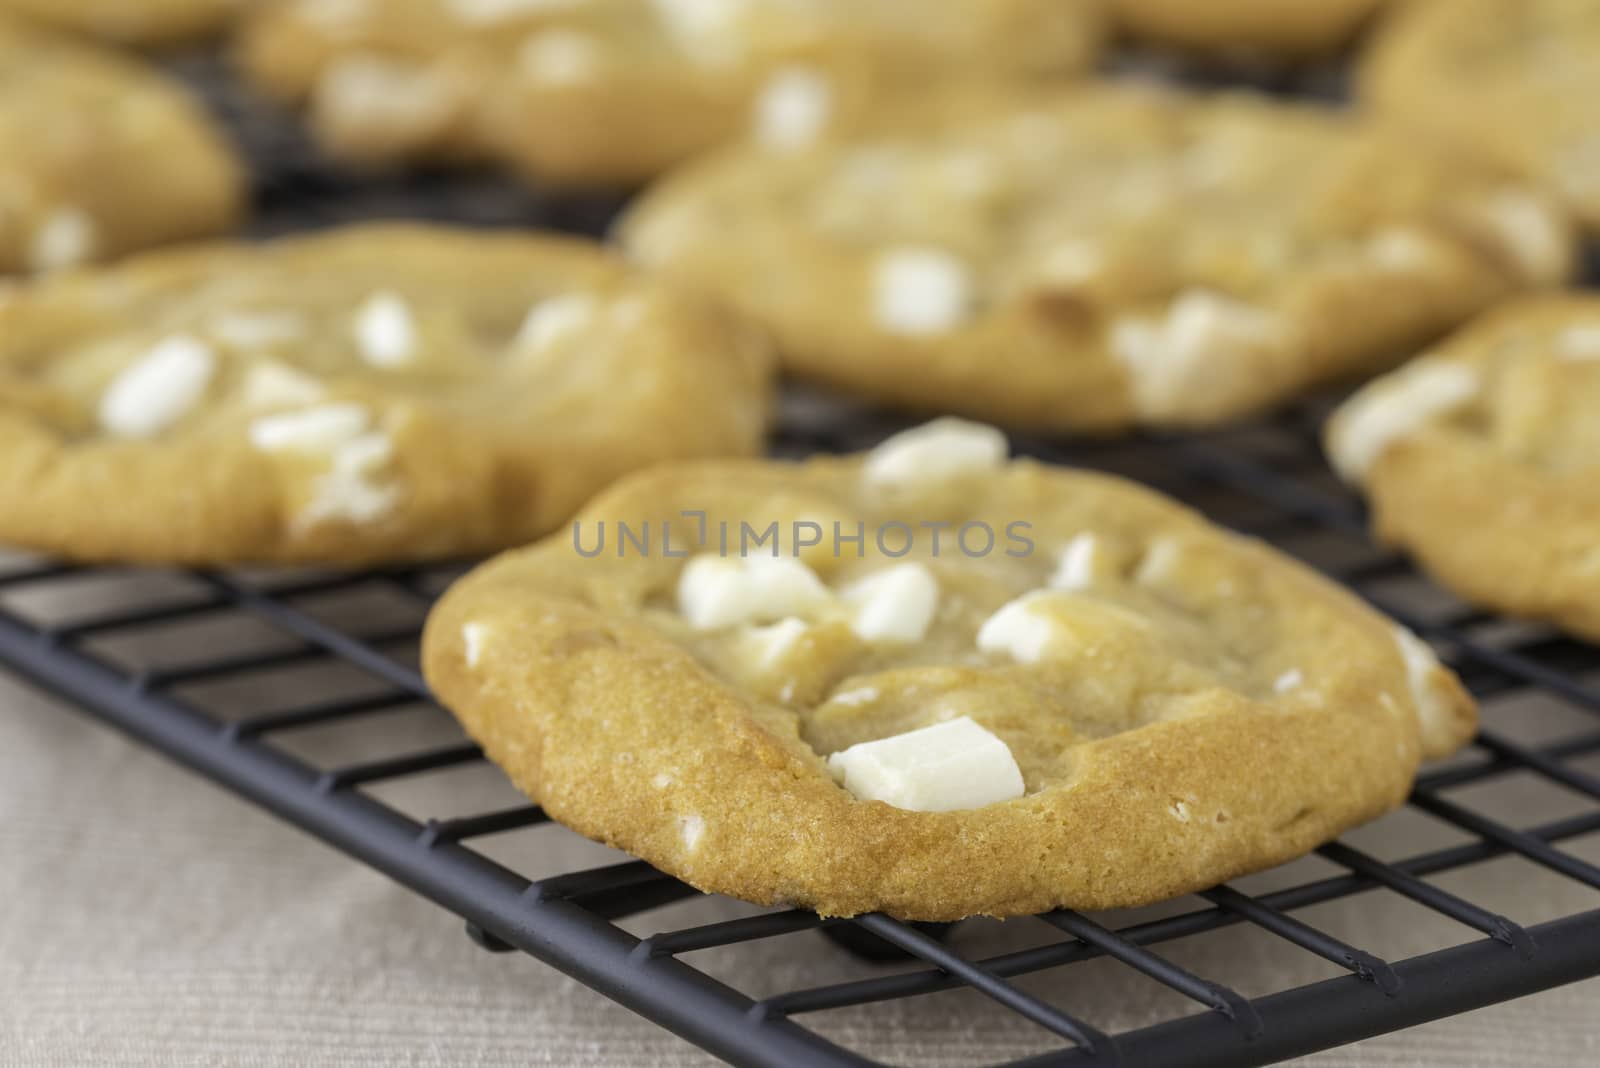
x,y
1184,705
376,393
141,23
1090,260
101,155
1482,458
1514,81
612,92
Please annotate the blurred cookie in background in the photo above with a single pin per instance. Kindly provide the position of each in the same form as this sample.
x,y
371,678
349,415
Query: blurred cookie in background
x,y
1515,80
1266,29
140,23
612,92
1096,259
371,393
100,155
1482,457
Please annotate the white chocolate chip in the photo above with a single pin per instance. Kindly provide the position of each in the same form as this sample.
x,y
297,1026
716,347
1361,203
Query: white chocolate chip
x,y
1579,342
772,643
1292,679
850,698
935,452
270,384
952,765
920,292
386,333
1078,564
156,392
489,12
257,330
1203,336
895,604
320,429
66,238
1533,232
1160,562
1423,672
351,490
691,829
560,57
719,591
1395,407
1018,630
558,317
473,637
792,109
707,30
384,105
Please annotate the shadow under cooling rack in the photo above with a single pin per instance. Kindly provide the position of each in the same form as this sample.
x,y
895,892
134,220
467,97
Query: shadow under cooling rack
x,y
342,647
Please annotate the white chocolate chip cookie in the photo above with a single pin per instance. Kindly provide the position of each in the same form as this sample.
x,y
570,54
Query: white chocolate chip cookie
x,y
361,395
100,155
1512,80
1482,457
1093,259
999,688
616,91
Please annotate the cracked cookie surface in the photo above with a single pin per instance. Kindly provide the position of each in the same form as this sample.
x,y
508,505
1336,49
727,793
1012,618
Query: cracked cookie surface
x,y
1482,457
615,91
385,392
101,155
1089,260
1135,706
1512,80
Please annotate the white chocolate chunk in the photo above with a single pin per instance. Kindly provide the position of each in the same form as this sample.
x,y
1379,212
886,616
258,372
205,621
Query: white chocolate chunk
x,y
1203,334
558,317
772,643
792,109
707,30
850,698
352,490
935,452
691,829
473,637
320,429
1422,676
1160,562
66,238
489,12
1393,408
1292,679
1402,249
1532,232
156,392
1078,564
394,106
270,384
1018,630
952,765
896,604
386,333
257,330
719,591
560,57
921,292
1580,342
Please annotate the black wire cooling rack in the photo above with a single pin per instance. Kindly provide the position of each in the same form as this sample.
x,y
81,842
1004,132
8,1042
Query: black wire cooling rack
x,y
1267,480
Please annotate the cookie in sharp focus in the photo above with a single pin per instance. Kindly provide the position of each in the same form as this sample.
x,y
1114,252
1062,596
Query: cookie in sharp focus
x,y
1513,80
367,394
856,684
1259,28
615,91
100,155
1094,259
141,23
1482,458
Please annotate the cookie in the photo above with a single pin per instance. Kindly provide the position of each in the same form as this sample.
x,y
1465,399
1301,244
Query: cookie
x,y
615,91
1269,28
934,683
131,22
369,394
1482,458
100,155
1095,259
1514,80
